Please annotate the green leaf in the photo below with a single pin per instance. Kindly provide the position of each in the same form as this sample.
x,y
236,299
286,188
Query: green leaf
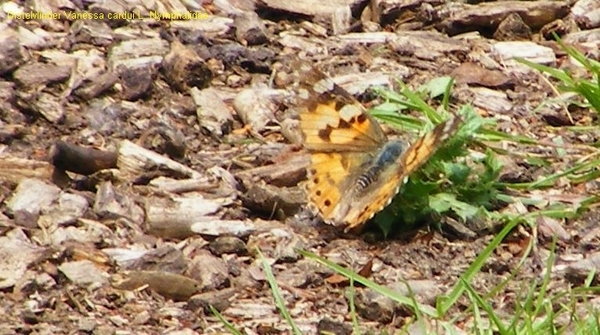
x,y
437,86
444,202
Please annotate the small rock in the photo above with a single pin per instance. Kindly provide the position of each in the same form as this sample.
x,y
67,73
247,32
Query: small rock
x,y
83,273
577,272
11,55
250,29
35,74
377,307
228,245
210,271
86,325
220,300
328,326
31,196
257,107
166,259
110,204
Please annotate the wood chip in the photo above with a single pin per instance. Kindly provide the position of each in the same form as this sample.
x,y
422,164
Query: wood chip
x,y
174,218
489,15
32,195
533,52
34,74
249,29
308,7
11,56
134,161
184,69
69,157
587,13
84,273
169,285
471,73
213,113
256,107
13,169
17,254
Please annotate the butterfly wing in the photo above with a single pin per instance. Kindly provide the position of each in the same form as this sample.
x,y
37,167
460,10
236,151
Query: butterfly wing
x,y
363,203
331,119
340,135
330,175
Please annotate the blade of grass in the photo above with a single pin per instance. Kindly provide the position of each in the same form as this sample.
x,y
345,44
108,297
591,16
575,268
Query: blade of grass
x,y
445,303
370,284
351,294
480,302
226,323
279,302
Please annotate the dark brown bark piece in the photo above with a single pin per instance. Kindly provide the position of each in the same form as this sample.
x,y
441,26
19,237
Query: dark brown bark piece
x,y
220,300
93,32
317,8
272,200
35,74
472,73
85,161
136,81
328,326
249,29
11,56
487,16
97,86
512,28
184,69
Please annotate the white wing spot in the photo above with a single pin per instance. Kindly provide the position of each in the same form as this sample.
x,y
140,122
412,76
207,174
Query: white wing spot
x,y
348,112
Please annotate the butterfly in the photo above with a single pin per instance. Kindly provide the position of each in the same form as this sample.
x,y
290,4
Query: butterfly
x,y
355,170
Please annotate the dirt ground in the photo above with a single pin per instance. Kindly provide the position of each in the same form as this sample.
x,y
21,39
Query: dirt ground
x,y
144,160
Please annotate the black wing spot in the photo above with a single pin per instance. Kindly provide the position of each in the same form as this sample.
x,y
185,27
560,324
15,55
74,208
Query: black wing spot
x,y
361,118
316,180
344,124
327,202
313,171
318,193
339,104
325,133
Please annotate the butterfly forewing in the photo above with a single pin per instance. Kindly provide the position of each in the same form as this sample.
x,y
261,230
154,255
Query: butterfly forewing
x,y
331,119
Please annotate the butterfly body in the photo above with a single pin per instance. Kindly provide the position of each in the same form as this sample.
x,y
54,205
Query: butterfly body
x,y
355,171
